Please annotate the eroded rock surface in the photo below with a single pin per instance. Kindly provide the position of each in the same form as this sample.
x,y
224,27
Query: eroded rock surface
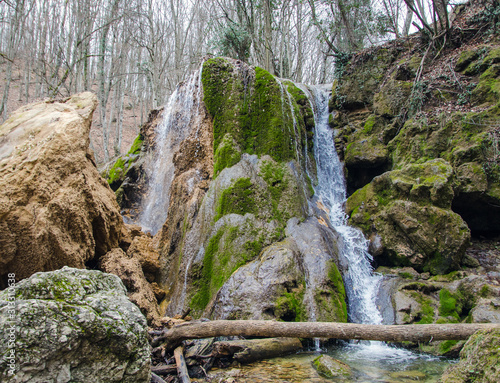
x,y
75,326
55,209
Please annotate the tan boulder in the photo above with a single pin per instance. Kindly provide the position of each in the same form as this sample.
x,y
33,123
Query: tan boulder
x,y
55,209
144,250
139,291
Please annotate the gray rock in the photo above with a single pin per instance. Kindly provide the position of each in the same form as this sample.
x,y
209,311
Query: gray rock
x,y
74,326
295,279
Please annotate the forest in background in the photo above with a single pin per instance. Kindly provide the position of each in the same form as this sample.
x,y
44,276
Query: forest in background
x,y
133,53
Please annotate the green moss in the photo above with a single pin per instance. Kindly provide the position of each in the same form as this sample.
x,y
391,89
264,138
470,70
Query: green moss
x,y
237,199
225,252
289,306
226,155
485,291
368,127
426,313
116,171
447,304
136,145
253,112
331,302
274,175
405,275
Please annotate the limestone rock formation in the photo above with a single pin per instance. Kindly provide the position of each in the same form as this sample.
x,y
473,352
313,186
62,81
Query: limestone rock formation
x,y
241,177
74,326
55,209
129,270
420,155
409,209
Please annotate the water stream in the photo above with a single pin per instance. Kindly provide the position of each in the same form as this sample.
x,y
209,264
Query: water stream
x,y
179,117
360,282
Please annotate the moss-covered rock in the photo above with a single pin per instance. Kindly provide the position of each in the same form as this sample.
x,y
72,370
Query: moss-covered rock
x,y
392,97
410,210
478,360
332,368
73,325
362,78
227,154
488,87
117,173
254,108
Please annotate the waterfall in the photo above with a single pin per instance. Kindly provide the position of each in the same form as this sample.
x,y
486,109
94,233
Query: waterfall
x,y
178,119
360,282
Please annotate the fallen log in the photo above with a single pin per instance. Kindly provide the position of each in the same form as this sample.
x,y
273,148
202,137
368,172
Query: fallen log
x,y
271,329
164,369
247,351
182,371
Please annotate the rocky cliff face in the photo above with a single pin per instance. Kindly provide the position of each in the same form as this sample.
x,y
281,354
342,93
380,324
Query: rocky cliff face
x,y
420,155
423,174
55,208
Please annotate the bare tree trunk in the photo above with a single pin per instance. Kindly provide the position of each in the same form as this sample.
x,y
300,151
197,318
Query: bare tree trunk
x,y
267,36
408,18
298,76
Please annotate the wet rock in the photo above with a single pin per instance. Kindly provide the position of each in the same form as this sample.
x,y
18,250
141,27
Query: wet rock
x,y
332,368
486,310
90,330
252,292
129,270
293,280
478,360
55,208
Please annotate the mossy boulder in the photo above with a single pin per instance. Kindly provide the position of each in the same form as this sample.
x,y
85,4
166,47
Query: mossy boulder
x,y
362,144
74,325
331,368
262,114
392,97
362,78
410,209
488,87
478,360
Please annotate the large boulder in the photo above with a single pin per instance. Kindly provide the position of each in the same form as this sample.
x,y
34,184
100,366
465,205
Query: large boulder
x,y
55,209
409,209
73,326
293,280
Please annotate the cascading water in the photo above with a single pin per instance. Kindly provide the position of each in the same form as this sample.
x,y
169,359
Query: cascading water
x,y
178,118
360,281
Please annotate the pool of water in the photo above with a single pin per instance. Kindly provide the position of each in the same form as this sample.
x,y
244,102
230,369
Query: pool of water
x,y
369,362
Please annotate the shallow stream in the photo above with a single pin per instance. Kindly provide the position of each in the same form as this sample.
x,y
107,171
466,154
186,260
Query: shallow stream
x,y
369,362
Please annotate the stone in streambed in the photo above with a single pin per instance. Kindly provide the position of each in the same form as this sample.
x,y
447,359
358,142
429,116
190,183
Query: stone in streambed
x,y
331,368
